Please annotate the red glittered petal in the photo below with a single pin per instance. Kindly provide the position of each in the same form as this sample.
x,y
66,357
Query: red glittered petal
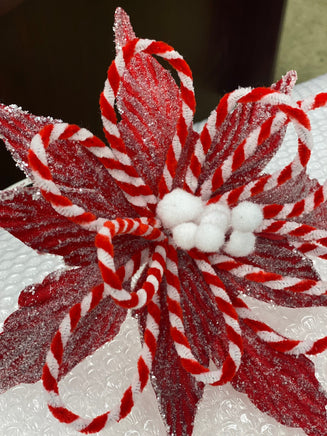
x,y
177,392
123,29
17,128
274,256
99,326
82,178
230,134
281,385
277,255
26,215
293,190
204,325
149,102
28,332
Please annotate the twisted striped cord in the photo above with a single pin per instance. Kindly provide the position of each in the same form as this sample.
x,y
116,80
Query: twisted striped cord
x,y
273,338
269,279
54,359
133,265
297,208
217,117
302,127
313,102
190,363
233,330
292,229
107,102
310,249
42,175
105,251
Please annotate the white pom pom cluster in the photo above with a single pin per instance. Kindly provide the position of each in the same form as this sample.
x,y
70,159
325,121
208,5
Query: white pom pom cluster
x,y
246,218
196,225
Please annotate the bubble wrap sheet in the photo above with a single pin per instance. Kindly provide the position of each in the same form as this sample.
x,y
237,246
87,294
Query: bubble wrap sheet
x,y
97,383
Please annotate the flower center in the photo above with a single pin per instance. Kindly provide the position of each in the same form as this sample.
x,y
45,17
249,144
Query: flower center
x,y
196,225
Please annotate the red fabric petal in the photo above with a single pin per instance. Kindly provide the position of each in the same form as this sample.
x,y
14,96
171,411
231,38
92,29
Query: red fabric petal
x,y
30,218
238,125
149,103
17,128
177,392
236,286
123,29
276,255
184,159
95,329
85,181
293,190
28,332
282,385
204,324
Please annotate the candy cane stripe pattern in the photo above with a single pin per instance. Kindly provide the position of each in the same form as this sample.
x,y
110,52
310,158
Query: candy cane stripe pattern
x,y
272,280
113,284
108,97
267,182
178,227
275,340
54,361
215,120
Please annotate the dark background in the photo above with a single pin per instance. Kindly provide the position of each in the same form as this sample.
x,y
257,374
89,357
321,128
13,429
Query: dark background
x,y
54,55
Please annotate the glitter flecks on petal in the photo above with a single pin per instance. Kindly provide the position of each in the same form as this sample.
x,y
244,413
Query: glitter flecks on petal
x,y
176,227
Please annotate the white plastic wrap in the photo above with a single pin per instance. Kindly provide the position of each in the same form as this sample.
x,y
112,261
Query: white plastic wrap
x,y
97,383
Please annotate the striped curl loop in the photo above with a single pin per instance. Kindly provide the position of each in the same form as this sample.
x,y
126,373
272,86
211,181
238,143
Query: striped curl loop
x,y
147,229
51,369
190,363
109,118
42,175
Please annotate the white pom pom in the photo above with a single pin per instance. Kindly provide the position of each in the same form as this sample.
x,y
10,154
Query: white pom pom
x,y
216,214
240,243
184,235
246,216
177,207
209,238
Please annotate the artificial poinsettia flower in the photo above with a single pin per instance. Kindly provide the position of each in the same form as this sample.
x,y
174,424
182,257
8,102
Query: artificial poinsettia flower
x,y
177,227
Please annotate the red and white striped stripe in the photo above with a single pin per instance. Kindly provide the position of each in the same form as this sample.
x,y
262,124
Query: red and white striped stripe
x,y
294,230
42,175
245,150
298,208
133,265
189,361
311,249
54,360
217,117
105,250
276,340
313,102
107,102
302,127
233,330
269,279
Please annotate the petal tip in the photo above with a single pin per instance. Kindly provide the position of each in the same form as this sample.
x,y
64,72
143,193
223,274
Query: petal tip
x,y
123,29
